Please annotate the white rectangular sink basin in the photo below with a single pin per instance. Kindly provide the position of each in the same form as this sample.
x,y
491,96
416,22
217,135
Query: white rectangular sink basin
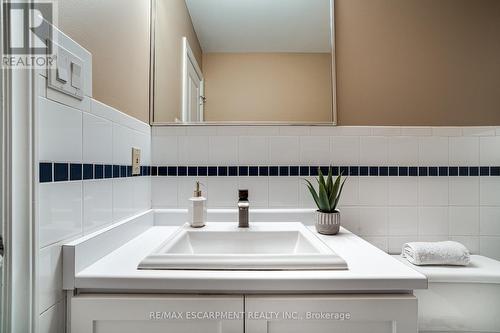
x,y
263,246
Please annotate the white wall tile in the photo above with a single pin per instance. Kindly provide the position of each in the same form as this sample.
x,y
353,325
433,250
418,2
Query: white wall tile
x,y
305,197
59,132
433,151
50,277
283,192
122,143
222,192
433,238
386,130
373,191
294,130
395,243
416,131
464,151
349,217
464,191
350,193
253,150
201,130
354,130
223,150
433,191
379,242
470,242
258,190
142,194
373,150
164,150
345,150
193,150
403,221
60,211
403,150
403,191
97,204
186,187
490,191
490,151
464,221
53,320
433,221
315,150
97,140
478,131
284,150
490,221
373,221
164,192
490,247
123,198
447,131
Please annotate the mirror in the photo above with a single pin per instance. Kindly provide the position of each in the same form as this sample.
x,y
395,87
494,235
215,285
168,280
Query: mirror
x,y
242,61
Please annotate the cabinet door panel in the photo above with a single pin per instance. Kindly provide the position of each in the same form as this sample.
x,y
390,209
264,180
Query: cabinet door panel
x,y
155,314
335,313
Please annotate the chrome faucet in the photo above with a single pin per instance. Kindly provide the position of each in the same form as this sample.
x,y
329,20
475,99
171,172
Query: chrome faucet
x,y
243,206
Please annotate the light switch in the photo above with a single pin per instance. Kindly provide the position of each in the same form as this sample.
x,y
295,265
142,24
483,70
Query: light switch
x,y
76,75
136,162
62,67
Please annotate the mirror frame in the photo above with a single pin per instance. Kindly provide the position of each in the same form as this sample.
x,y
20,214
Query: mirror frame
x,y
152,74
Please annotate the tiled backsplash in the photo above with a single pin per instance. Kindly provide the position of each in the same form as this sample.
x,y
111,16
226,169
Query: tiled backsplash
x,y
84,181
404,184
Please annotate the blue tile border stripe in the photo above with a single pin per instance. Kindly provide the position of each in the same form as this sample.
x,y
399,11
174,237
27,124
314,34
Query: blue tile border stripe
x,y
60,171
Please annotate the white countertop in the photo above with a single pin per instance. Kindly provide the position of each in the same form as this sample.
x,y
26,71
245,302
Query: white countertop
x,y
370,270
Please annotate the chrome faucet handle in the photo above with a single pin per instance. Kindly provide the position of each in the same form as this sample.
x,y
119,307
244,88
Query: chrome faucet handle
x,y
243,207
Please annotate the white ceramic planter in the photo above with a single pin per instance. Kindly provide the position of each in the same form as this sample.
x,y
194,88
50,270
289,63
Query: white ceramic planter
x,y
327,223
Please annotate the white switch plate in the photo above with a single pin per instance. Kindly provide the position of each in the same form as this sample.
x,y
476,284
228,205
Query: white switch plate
x,y
136,162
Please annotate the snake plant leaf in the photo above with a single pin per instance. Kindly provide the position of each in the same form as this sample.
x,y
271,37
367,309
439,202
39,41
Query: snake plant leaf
x,y
340,193
323,198
329,181
334,192
313,192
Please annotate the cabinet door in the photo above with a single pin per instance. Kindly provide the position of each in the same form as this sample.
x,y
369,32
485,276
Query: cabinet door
x,y
151,314
339,314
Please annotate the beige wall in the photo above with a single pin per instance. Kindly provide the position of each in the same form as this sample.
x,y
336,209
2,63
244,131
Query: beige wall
x,y
418,62
268,87
116,32
173,22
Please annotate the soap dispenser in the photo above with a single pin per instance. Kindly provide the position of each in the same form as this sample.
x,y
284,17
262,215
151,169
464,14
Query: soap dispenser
x,y
197,208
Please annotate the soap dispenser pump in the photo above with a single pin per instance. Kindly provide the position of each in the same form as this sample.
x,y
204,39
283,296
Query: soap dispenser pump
x,y
197,208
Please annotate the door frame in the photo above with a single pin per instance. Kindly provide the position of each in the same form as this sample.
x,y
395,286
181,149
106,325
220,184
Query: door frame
x,y
188,57
19,308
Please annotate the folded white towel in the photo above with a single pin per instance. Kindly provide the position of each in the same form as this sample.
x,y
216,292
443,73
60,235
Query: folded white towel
x,y
437,253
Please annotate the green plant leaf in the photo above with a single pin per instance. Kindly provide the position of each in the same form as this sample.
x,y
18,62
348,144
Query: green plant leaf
x,y
339,194
323,199
313,193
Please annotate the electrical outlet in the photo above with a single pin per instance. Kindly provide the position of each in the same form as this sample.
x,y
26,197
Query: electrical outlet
x,y
136,162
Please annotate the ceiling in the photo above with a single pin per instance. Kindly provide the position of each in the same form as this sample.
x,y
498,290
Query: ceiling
x,y
262,25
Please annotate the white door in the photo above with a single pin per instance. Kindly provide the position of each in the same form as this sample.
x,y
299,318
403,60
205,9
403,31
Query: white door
x,y
193,86
156,314
327,314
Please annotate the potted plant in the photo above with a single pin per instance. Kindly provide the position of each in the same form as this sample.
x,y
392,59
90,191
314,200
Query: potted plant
x,y
327,199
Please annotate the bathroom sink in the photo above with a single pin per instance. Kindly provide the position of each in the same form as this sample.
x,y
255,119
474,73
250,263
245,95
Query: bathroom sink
x,y
263,246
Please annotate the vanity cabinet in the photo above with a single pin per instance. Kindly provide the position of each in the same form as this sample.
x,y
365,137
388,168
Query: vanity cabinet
x,y
155,314
332,313
396,313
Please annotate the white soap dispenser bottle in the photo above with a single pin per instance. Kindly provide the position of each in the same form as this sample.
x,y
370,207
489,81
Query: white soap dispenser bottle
x,y
197,209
